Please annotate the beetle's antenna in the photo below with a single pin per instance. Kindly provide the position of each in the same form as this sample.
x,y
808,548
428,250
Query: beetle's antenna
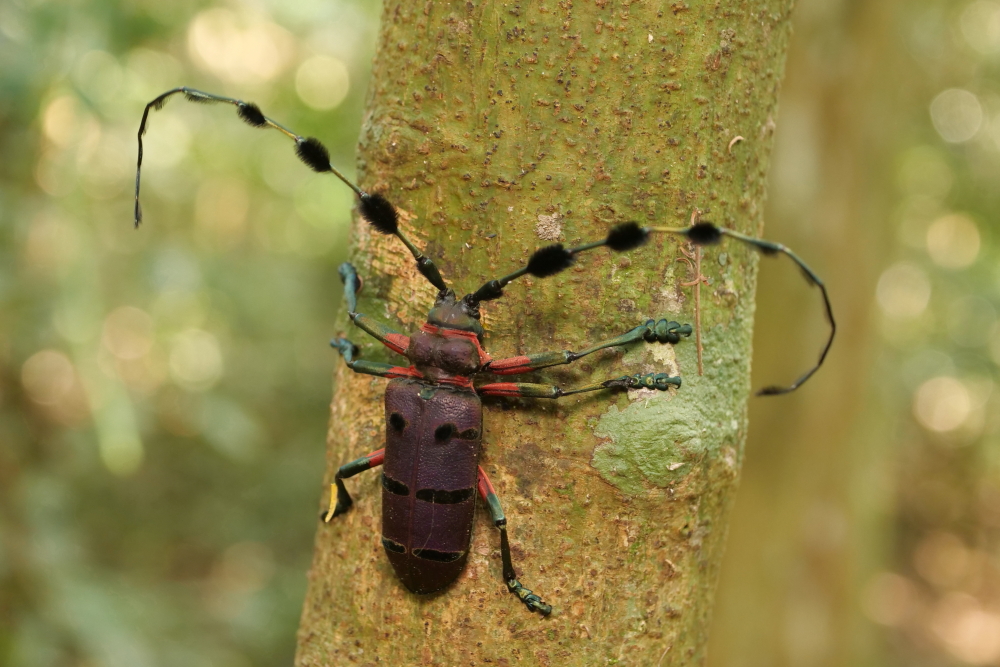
x,y
309,150
382,215
552,259
374,208
705,233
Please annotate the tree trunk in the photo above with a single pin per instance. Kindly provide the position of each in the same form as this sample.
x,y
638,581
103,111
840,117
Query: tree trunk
x,y
498,128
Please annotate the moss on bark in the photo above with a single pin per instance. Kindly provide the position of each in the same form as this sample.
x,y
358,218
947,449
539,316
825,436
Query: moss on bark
x,y
497,128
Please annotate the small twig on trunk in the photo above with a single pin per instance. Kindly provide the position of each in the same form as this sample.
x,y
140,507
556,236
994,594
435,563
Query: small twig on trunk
x,y
692,257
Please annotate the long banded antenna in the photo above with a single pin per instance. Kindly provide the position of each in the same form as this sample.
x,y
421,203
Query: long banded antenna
x,y
374,208
706,233
552,259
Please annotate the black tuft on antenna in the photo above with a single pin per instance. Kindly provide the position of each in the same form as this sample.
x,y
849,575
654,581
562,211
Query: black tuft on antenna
x,y
626,236
704,233
549,261
380,213
313,153
771,248
252,114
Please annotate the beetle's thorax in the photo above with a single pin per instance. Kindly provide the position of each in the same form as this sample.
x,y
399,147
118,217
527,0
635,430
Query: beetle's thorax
x,y
449,344
440,353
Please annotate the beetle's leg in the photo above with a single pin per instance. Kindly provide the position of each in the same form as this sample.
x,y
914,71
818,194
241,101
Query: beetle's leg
x,y
659,331
660,381
489,496
348,349
340,499
391,338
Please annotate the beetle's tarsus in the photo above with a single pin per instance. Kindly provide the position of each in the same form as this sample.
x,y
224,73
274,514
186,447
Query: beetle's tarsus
x,y
326,516
342,509
659,381
662,331
532,601
343,501
340,499
346,348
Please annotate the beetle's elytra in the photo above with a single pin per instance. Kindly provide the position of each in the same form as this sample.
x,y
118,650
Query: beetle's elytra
x,y
433,412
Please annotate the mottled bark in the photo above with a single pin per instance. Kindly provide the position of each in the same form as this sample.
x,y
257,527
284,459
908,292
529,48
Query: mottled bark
x,y
498,127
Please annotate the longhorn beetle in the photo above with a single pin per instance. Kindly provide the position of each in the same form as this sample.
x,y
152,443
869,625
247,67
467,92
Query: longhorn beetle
x,y
434,415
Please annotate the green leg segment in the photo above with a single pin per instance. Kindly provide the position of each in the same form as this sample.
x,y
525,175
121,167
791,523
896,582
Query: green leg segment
x,y
652,331
340,499
348,349
389,337
489,496
659,381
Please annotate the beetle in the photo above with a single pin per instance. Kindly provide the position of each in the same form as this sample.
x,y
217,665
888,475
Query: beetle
x,y
433,409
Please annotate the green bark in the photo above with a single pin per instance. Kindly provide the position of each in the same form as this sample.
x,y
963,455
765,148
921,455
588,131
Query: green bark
x,y
496,128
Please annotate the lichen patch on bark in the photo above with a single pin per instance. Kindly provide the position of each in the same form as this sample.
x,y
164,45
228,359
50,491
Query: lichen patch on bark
x,y
657,441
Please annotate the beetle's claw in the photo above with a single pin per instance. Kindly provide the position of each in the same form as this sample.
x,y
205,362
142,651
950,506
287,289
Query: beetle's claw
x,y
532,601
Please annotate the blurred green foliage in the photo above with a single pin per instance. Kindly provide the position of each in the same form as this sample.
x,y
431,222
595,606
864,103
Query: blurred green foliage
x,y
163,391
938,594
867,528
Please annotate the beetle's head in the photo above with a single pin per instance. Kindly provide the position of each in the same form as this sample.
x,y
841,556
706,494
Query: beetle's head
x,y
451,313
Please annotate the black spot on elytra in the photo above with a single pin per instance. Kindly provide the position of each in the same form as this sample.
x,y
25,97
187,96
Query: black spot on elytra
x,y
441,497
394,547
393,486
439,556
445,431
397,422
